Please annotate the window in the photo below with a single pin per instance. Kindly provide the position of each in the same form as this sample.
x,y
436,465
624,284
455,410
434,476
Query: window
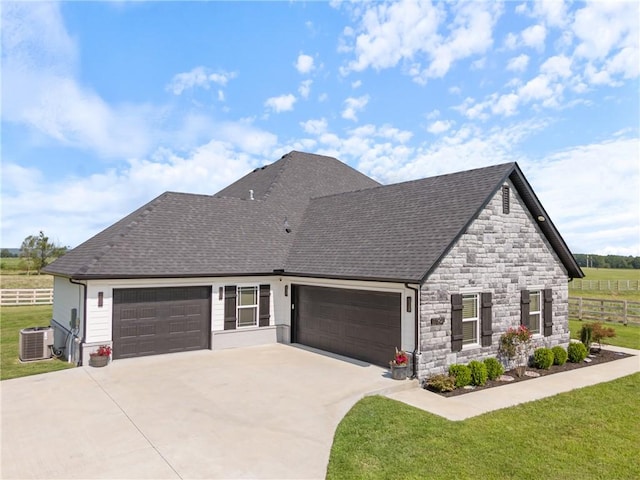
x,y
247,306
535,311
470,320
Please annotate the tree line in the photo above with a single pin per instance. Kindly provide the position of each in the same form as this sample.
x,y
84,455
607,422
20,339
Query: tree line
x,y
607,261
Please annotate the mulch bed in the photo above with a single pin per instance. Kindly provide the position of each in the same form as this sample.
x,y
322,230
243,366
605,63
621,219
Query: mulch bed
x,y
596,357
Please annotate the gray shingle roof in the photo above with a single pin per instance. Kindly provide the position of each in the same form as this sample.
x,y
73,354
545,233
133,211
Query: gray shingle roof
x,y
179,234
392,232
343,225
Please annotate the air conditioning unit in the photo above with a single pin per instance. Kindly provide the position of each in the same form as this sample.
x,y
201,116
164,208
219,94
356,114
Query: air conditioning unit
x,y
35,343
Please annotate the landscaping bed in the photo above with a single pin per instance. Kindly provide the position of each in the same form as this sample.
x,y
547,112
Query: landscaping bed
x,y
596,357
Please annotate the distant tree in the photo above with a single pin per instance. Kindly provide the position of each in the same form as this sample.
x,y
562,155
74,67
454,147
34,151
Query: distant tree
x,y
6,253
37,252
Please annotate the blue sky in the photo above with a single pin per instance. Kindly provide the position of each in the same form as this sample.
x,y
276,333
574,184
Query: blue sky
x,y
107,105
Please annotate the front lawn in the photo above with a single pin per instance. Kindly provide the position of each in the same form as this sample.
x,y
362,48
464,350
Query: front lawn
x,y
13,320
588,433
628,337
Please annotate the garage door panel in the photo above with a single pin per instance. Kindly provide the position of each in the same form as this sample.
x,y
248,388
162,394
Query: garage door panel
x,y
161,320
356,323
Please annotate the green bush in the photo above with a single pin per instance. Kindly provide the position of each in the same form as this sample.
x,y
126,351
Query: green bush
x,y
494,368
559,355
586,333
543,358
576,352
442,383
462,374
478,373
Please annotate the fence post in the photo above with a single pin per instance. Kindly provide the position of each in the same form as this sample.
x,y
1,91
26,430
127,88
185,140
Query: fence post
x,y
624,308
580,309
602,310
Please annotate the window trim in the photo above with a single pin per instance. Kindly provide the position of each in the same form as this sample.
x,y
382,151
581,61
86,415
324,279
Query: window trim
x,y
239,307
477,319
540,312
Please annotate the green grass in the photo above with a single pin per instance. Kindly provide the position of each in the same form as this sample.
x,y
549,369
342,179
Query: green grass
x,y
611,274
26,281
12,320
628,337
590,433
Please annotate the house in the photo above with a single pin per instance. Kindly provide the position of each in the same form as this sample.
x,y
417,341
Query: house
x,y
310,251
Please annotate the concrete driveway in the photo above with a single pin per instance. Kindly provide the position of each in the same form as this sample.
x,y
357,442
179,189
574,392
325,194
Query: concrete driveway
x,y
259,412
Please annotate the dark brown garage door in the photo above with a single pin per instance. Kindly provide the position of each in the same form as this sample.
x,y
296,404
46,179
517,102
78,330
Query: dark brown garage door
x,y
150,321
355,323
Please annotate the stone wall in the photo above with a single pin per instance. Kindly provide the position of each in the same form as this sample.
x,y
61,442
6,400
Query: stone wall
x,y
502,254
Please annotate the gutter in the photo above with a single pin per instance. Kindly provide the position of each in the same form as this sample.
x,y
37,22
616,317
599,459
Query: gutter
x,y
84,319
416,346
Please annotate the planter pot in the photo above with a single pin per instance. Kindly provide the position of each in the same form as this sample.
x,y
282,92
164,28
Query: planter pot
x,y
399,372
98,360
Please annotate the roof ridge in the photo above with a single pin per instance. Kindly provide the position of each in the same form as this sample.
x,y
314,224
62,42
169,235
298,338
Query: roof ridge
x,y
286,160
143,212
406,182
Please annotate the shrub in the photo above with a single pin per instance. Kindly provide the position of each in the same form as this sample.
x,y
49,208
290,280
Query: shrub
x,y
599,331
442,383
586,333
559,355
462,374
478,372
494,368
576,352
515,345
543,358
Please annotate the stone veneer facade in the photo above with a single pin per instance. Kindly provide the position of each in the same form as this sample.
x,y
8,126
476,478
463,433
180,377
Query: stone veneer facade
x,y
502,254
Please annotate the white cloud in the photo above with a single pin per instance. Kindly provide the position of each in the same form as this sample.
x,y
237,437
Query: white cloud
x,y
356,84
611,223
557,66
408,31
354,105
92,203
534,36
198,77
39,60
506,105
305,88
315,126
519,63
439,126
304,63
283,103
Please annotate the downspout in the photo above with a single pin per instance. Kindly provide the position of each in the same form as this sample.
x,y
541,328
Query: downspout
x,y
84,319
416,346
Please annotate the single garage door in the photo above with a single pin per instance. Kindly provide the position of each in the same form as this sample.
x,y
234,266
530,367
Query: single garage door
x,y
360,324
150,321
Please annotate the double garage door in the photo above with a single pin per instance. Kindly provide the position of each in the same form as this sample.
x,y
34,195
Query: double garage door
x,y
360,324
151,321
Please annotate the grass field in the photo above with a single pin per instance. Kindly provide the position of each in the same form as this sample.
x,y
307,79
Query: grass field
x,y
590,433
628,337
607,274
26,281
12,320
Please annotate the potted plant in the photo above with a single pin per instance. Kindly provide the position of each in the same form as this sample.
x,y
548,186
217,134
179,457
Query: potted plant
x,y
100,358
399,365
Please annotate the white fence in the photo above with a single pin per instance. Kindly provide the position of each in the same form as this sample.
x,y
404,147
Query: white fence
x,y
26,296
610,285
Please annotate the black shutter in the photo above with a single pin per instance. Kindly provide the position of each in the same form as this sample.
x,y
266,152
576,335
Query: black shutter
x,y
230,307
485,313
456,322
265,293
525,302
547,312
